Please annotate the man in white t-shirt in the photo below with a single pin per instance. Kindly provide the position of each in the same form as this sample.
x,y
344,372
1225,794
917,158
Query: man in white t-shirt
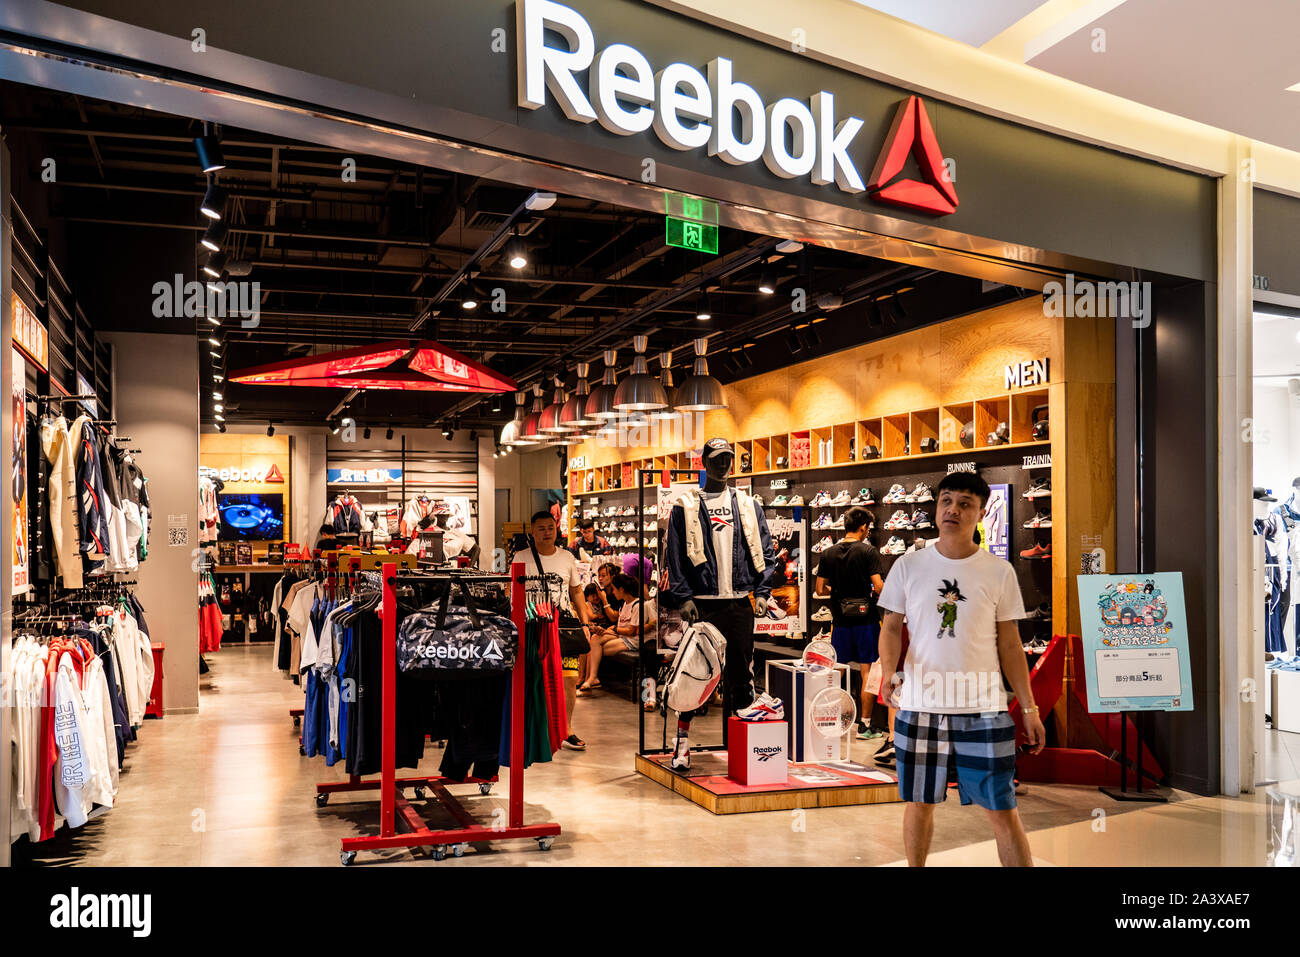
x,y
560,561
962,604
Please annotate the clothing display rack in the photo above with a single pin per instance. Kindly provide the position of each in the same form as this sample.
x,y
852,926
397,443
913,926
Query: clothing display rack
x,y
394,809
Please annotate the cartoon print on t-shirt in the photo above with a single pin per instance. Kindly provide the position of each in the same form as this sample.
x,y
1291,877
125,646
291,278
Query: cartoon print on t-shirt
x,y
949,595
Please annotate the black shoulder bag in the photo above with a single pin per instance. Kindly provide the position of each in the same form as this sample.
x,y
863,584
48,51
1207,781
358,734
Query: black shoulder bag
x,y
573,640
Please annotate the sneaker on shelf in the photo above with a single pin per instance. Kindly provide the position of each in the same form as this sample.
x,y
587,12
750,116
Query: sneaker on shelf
x,y
779,501
824,544
1042,613
921,519
820,500
763,708
838,523
1040,520
796,500
1037,646
894,546
841,498
1037,551
681,760
758,499
822,614
864,497
921,493
650,543
1039,488
895,496
823,635
897,521
823,521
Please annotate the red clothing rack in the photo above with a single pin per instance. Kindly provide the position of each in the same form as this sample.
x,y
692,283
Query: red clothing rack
x,y
393,806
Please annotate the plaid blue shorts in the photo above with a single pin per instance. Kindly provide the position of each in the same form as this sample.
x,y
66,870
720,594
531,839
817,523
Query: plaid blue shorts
x,y
981,746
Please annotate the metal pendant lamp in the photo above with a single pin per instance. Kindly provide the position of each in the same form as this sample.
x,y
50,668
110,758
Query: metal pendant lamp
x,y
550,420
600,404
700,392
640,391
512,433
666,380
574,415
531,430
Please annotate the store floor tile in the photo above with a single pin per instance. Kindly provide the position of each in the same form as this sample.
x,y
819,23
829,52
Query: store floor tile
x,y
227,786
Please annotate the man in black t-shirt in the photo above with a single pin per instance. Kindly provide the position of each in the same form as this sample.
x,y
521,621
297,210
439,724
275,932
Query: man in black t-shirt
x,y
851,569
589,542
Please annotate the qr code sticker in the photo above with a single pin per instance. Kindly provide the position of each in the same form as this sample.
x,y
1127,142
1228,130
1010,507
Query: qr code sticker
x,y
178,536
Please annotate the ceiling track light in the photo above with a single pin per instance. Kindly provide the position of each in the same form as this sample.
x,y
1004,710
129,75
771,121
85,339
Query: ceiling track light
x,y
640,391
512,432
208,148
270,429
516,255
600,404
700,391
766,281
469,299
365,433
214,202
214,236
702,310
215,265
389,434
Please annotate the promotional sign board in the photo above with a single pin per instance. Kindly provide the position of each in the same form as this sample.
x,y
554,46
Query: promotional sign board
x,y
1135,642
994,530
786,613
363,476
18,492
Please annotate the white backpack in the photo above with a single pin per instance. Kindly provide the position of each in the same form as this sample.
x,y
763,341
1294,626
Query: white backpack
x,y
697,669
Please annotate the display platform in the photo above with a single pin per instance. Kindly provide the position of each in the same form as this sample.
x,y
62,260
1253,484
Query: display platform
x,y
809,785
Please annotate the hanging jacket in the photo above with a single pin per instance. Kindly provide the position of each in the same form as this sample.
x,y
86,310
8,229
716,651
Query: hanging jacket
x,y
56,442
92,501
689,557
345,514
416,509
207,511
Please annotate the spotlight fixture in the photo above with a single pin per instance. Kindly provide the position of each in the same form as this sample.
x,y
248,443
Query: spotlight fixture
x,y
214,202
214,340
270,429
702,311
640,391
216,394
792,341
215,264
219,417
218,407
700,392
208,148
215,320
333,428
389,434
600,404
221,427
217,377
473,435
515,253
766,285
496,405
813,336
447,433
365,433
469,299
214,236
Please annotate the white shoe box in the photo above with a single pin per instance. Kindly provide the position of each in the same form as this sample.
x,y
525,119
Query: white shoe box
x,y
796,686
1286,700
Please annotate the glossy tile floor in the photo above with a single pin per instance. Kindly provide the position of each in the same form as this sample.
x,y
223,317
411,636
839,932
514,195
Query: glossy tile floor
x,y
227,786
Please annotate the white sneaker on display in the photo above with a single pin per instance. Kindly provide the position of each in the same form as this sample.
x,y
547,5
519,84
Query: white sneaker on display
x,y
681,755
822,614
841,498
895,496
921,493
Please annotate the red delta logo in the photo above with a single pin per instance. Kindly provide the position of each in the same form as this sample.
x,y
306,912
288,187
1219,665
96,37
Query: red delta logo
x,y
911,133
273,474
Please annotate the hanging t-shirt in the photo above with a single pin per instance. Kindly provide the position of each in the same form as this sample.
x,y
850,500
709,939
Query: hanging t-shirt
x,y
560,562
952,608
723,523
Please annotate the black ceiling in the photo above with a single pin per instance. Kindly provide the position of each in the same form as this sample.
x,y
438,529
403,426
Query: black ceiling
x,y
344,260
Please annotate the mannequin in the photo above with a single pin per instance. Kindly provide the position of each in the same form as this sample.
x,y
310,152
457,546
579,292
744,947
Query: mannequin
x,y
1282,549
708,584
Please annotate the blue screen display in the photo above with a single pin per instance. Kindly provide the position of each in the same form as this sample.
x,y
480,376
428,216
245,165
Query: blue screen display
x,y
248,517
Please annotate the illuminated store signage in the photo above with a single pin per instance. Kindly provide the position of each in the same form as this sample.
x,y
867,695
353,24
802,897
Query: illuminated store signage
x,y
1019,375
690,109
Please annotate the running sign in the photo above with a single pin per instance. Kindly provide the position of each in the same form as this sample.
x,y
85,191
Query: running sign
x,y
1135,651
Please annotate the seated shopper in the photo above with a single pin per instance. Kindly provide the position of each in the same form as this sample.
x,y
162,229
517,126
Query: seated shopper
x,y
605,609
962,604
850,569
624,636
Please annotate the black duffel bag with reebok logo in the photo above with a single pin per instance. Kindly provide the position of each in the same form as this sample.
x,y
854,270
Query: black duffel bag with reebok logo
x,y
445,640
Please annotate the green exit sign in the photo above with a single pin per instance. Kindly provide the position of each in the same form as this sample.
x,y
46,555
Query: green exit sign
x,y
687,235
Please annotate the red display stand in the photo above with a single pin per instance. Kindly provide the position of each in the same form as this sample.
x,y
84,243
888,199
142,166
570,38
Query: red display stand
x,y
155,708
757,753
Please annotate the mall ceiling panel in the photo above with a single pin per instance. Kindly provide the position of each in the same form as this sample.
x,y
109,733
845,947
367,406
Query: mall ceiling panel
x,y
1231,66
970,21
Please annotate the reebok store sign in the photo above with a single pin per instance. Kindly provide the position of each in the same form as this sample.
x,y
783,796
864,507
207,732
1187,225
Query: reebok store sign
x,y
264,476
690,109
